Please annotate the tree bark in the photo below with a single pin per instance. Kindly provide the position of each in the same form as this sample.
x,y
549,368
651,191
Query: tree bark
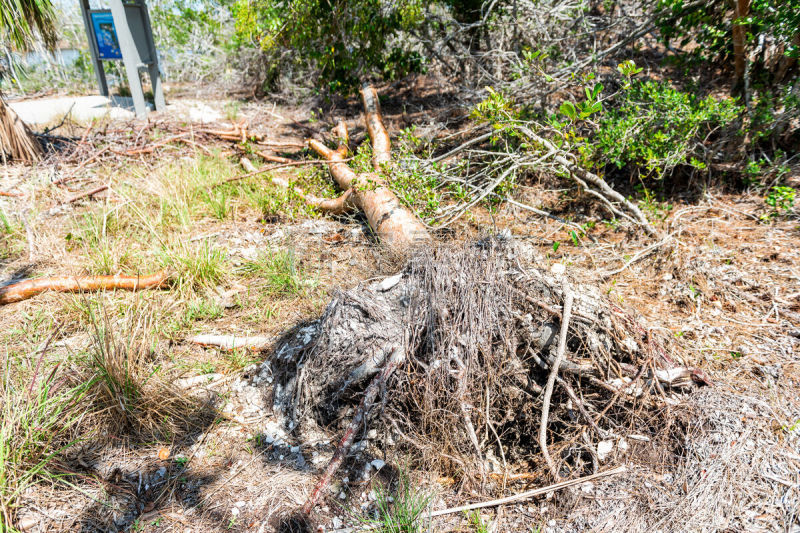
x,y
393,224
739,31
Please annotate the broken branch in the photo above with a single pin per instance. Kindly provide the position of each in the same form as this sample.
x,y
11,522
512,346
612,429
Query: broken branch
x,y
548,390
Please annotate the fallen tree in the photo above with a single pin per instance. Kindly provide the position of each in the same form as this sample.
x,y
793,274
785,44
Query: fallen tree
x,y
31,287
393,224
457,350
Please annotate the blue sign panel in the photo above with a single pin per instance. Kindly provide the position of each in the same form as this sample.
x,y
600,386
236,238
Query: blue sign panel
x,y
105,35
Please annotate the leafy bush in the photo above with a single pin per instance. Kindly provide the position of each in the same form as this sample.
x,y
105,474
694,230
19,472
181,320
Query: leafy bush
x,y
343,41
710,25
659,127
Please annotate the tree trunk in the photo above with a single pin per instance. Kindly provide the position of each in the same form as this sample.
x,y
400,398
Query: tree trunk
x,y
17,142
741,9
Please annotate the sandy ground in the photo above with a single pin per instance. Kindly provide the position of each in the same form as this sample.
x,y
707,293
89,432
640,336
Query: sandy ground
x,y
727,287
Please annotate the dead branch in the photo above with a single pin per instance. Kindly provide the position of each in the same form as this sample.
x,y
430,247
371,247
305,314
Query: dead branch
x,y
604,189
548,390
529,494
86,194
30,288
273,158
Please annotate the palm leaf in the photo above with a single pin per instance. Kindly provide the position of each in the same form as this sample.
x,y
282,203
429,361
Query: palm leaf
x,y
22,20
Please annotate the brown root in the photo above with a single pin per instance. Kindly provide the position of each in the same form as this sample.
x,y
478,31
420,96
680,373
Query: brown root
x,y
30,288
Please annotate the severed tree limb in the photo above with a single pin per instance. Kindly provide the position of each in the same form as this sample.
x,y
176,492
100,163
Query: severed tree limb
x,y
30,288
548,390
394,225
360,416
381,144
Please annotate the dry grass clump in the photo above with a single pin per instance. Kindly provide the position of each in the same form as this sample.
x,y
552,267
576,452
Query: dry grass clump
x,y
38,420
128,389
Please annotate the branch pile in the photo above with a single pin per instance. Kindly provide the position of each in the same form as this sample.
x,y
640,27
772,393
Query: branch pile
x,y
459,348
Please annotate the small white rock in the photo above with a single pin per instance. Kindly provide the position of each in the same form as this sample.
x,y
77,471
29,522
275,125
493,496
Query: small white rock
x,y
604,448
557,269
377,464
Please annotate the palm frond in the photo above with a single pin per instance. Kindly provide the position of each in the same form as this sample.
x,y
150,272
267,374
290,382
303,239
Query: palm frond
x,y
23,20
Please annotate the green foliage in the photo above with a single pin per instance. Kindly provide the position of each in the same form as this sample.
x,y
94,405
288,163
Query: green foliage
x,y
710,25
344,41
659,127
401,512
22,20
780,199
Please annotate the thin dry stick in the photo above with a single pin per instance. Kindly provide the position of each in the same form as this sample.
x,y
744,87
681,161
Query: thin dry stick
x,y
530,493
502,501
276,167
551,380
86,194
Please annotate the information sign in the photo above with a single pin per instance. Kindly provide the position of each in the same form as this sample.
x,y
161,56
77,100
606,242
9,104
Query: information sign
x,y
105,35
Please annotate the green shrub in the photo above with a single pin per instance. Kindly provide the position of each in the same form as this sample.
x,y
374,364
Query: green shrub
x,y
659,127
344,41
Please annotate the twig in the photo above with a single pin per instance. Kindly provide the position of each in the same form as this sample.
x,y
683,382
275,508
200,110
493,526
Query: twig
x,y
641,254
87,193
529,494
548,390
276,167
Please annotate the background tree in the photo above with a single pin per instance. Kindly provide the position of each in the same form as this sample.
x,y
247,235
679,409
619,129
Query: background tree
x,y
20,22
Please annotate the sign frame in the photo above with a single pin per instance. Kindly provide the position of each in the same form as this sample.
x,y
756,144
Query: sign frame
x,y
130,23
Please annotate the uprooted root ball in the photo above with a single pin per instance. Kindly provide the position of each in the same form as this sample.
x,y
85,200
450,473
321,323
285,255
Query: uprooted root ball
x,y
476,334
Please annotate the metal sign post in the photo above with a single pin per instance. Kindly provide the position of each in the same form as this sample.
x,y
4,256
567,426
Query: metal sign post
x,y
123,33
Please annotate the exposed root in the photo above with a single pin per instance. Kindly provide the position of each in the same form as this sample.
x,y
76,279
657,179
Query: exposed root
x,y
477,342
231,342
30,288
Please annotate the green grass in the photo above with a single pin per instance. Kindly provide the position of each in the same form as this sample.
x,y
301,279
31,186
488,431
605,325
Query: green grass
x,y
279,272
198,265
400,512
203,309
38,417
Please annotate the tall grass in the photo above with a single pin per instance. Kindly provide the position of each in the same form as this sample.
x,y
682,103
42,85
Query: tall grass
x,y
278,270
127,383
38,421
